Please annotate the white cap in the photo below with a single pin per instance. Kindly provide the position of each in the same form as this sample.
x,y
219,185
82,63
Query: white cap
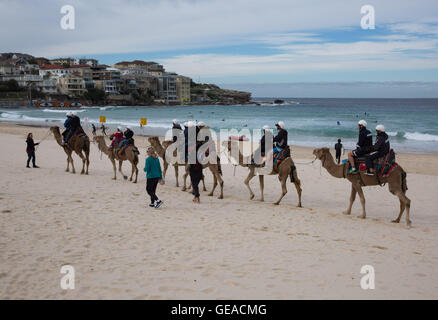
x,y
175,121
265,127
380,127
201,124
74,113
68,114
119,128
185,124
280,124
129,127
362,123
190,124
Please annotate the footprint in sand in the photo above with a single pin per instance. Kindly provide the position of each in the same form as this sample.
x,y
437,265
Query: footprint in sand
x,y
379,247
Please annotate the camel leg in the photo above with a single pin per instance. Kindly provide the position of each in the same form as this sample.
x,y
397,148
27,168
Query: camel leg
x,y
221,184
203,183
165,165
68,164
72,164
176,175
136,173
352,198
120,170
297,184
83,161
186,173
362,201
114,168
214,184
405,202
247,180
402,209
262,185
283,189
87,155
132,171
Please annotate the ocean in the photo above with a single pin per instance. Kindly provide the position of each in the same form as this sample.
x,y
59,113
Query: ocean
x,y
410,123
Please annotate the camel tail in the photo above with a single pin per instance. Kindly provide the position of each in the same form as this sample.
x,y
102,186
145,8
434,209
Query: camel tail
x,y
404,182
291,174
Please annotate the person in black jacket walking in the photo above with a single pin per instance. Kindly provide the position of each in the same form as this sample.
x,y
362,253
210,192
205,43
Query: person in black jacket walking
x,y
30,149
363,146
338,149
380,149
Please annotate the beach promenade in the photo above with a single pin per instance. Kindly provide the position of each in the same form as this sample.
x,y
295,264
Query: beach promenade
x,y
233,248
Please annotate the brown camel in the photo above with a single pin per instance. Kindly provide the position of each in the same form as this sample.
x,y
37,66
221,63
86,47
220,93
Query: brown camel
x,y
396,182
214,168
76,144
283,171
131,154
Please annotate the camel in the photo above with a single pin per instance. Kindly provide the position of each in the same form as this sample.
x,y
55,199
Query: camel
x,y
131,154
76,144
214,168
161,151
396,182
283,171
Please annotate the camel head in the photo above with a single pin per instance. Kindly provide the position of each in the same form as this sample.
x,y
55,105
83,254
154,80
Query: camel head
x,y
97,138
321,153
167,143
154,141
54,129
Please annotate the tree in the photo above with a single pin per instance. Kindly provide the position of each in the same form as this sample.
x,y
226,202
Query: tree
x,y
95,95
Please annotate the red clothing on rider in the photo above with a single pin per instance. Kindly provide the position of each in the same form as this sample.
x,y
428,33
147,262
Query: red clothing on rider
x,y
117,138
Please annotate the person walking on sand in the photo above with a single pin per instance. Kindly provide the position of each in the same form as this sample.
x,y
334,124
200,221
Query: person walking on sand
x,y
338,149
94,129
153,177
30,149
195,171
103,128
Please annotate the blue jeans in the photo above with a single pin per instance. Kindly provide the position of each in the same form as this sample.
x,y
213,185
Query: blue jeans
x,y
31,156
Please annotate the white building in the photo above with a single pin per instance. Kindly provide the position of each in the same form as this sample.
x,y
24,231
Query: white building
x,y
49,70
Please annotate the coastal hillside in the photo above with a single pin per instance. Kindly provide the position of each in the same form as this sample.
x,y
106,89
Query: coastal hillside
x,y
54,82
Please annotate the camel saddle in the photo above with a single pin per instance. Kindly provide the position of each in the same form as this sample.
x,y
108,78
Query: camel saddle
x,y
384,165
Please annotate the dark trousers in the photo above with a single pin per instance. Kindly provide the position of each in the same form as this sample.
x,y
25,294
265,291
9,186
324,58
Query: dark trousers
x,y
338,157
195,178
31,156
151,188
370,159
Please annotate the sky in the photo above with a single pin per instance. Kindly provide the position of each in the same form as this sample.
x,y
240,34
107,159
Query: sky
x,y
287,48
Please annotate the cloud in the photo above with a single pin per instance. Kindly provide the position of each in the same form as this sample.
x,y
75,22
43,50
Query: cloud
x,y
122,26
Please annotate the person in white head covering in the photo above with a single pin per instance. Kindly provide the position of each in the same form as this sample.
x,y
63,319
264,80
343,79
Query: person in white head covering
x,y
380,149
176,130
363,146
266,131
280,139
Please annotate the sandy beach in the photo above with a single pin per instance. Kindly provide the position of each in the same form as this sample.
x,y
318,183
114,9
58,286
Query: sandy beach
x,y
233,248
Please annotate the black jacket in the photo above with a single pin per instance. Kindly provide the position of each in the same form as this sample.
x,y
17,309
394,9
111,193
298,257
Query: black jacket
x,y
365,139
75,122
382,145
30,145
280,140
128,134
338,148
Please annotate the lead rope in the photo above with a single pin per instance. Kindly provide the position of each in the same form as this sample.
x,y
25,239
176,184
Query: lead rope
x,y
45,137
